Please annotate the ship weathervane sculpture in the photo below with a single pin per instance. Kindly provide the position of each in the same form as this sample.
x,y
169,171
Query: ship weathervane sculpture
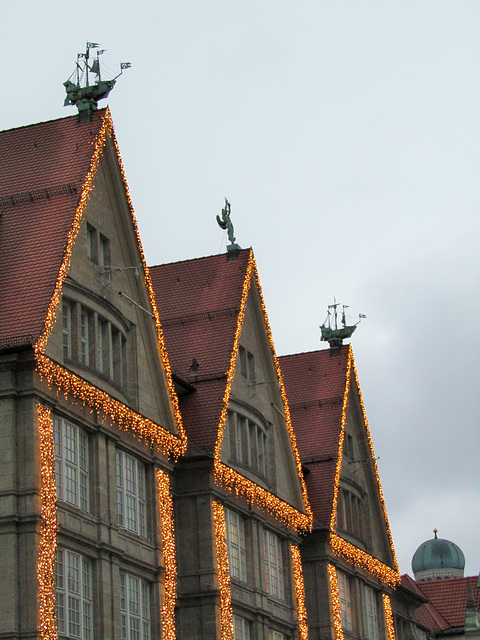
x,y
80,91
331,332
225,222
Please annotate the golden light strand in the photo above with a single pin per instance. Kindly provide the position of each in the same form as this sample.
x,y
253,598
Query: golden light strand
x,y
364,560
87,187
375,468
387,608
149,285
100,401
48,528
335,602
341,547
168,443
234,482
227,477
299,587
165,506
223,571
338,468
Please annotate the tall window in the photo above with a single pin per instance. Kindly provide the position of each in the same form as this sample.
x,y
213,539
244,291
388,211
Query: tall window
x,y
73,584
345,600
104,255
134,608
236,545
131,494
247,364
273,564
67,329
241,628
372,613
275,635
84,337
71,463
247,442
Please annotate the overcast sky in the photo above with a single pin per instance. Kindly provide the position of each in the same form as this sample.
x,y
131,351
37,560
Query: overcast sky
x,y
346,136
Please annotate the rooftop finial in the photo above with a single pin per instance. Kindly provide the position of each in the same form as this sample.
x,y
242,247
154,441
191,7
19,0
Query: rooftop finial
x,y
83,94
435,531
225,222
331,332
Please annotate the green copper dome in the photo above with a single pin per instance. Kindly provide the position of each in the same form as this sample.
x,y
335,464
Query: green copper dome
x,y
437,554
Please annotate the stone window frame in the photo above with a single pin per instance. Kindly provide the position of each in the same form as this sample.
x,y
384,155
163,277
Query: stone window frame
x,y
273,563
72,475
130,487
135,607
346,601
74,595
241,628
372,631
236,542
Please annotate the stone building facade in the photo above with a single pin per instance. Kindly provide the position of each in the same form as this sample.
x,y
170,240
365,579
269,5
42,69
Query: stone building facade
x,y
90,426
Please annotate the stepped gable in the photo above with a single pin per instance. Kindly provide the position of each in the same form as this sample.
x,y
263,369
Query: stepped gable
x,y
315,386
447,602
42,170
198,302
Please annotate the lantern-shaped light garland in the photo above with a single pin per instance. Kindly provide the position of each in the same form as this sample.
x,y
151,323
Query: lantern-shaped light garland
x,y
48,528
223,571
338,545
234,481
387,608
87,394
299,587
165,506
335,602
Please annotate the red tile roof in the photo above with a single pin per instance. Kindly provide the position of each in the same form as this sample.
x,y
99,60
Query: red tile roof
x,y
42,169
447,602
198,303
315,386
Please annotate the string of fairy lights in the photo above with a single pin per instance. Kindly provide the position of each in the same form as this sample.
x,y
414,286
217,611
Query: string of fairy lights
x,y
299,587
339,545
335,602
337,612
387,609
165,507
58,376
231,479
121,415
172,445
48,528
223,571
358,557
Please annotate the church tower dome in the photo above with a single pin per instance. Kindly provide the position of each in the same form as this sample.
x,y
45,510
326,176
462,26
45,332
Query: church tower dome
x,y
438,559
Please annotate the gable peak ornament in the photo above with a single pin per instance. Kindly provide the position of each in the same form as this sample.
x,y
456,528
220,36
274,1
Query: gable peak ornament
x,y
225,222
81,91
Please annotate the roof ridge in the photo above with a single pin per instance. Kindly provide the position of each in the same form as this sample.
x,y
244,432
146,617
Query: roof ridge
x,y
214,255
35,124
